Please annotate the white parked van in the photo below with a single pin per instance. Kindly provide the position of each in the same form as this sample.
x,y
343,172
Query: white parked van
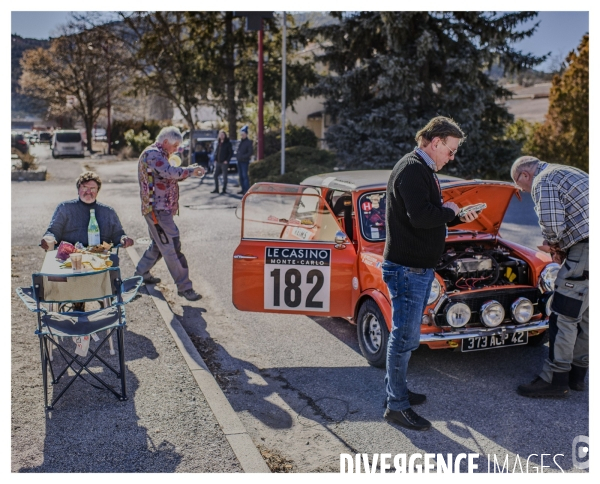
x,y
67,142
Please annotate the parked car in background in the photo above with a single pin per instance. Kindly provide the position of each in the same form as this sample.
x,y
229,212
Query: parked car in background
x,y
317,249
45,137
19,142
67,142
34,137
99,134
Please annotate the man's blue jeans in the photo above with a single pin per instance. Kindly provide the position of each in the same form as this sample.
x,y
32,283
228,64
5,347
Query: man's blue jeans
x,y
243,170
409,290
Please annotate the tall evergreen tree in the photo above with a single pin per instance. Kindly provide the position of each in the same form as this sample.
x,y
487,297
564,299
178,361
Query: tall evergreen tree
x,y
565,135
390,72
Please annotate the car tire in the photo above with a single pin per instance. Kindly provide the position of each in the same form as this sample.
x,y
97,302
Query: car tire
x,y
538,339
372,333
54,155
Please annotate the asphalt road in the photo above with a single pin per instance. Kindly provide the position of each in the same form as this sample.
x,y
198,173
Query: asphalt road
x,y
300,384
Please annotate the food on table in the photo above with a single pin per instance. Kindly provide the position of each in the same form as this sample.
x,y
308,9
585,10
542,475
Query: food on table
x,y
64,250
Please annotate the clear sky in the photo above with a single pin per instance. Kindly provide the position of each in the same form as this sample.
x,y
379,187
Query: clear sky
x,y
558,32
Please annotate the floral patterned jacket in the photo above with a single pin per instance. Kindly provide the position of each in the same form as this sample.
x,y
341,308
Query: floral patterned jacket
x,y
158,180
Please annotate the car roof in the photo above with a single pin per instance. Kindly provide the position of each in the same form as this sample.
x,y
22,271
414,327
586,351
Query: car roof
x,y
359,179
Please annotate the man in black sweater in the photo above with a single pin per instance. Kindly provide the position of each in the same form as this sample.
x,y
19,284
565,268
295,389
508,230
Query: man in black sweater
x,y
416,224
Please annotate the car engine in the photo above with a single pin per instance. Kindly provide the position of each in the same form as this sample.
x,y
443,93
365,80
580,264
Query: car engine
x,y
464,267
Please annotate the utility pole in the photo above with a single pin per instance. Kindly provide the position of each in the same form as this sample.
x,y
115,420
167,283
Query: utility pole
x,y
254,21
283,65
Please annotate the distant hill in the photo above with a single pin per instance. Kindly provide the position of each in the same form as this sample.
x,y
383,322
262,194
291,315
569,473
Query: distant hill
x,y
316,19
21,105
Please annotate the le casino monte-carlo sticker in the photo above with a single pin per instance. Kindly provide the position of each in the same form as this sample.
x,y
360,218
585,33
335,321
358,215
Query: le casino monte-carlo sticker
x,y
297,279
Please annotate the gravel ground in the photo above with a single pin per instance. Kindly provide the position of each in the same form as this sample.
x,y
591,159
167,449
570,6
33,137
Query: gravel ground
x,y
165,426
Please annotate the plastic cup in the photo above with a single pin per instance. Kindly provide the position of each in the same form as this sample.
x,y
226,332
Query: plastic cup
x,y
51,241
76,262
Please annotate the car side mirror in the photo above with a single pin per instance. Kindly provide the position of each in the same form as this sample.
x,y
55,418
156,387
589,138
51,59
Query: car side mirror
x,y
341,238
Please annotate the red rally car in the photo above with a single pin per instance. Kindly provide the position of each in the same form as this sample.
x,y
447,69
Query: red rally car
x,y
317,249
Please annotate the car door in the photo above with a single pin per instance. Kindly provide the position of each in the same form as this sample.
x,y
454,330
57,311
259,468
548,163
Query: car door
x,y
288,260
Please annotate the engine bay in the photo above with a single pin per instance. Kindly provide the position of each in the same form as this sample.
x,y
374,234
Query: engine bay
x,y
467,266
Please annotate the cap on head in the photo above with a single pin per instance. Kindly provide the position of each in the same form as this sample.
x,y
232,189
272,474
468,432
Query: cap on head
x,y
244,129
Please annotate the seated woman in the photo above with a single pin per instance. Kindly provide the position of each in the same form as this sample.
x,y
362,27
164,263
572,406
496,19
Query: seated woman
x,y
71,218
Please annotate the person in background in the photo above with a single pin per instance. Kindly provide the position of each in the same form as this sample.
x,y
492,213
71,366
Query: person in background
x,y
71,218
223,154
244,154
159,193
561,200
416,223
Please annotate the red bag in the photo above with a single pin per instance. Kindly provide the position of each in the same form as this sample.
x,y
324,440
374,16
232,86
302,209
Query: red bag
x,y
64,250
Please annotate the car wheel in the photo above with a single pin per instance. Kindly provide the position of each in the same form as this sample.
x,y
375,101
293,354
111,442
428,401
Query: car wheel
x,y
372,334
538,339
54,155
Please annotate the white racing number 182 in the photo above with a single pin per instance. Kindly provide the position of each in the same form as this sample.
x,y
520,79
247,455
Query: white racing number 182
x,y
297,279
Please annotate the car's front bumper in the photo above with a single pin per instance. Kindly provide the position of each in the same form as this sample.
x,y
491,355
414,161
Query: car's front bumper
x,y
473,332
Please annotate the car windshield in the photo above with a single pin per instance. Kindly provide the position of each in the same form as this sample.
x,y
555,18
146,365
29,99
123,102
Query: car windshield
x,y
68,137
372,216
300,216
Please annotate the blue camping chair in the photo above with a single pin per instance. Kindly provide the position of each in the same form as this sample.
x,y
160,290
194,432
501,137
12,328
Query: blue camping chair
x,y
105,287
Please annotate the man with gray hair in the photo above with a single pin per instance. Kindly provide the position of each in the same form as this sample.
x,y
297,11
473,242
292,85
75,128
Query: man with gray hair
x,y
159,192
561,197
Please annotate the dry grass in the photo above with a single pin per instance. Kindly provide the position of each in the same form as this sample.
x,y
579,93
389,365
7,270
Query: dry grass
x,y
275,461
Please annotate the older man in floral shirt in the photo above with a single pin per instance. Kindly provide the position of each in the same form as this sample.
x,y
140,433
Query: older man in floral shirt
x,y
159,192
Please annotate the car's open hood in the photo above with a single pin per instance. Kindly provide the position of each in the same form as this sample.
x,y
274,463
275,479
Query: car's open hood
x,y
495,194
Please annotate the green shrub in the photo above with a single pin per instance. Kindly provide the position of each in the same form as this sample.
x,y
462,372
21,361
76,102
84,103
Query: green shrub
x,y
119,127
300,163
294,136
138,142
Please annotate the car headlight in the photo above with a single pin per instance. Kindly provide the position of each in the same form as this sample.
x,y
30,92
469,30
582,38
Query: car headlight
x,y
522,310
492,314
458,314
548,276
436,288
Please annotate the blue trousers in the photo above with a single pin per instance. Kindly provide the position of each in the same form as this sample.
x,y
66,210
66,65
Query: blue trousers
x,y
409,290
243,171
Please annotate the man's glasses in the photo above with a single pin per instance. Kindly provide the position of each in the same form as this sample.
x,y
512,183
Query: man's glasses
x,y
517,180
88,189
452,152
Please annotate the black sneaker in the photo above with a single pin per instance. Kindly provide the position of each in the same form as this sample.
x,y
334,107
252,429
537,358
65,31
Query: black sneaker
x,y
407,419
540,388
190,295
151,280
224,191
215,191
413,398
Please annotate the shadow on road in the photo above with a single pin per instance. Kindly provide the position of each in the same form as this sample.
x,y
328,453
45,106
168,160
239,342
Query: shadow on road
x,y
91,431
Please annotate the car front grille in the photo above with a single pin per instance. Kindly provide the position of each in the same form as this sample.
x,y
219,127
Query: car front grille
x,y
476,299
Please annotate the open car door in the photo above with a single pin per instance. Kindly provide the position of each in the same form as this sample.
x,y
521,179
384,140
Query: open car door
x,y
288,260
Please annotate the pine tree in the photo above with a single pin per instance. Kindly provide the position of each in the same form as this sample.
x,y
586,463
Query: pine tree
x,y
390,72
564,136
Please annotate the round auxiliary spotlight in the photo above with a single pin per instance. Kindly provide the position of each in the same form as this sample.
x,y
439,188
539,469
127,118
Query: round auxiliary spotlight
x,y
457,314
522,310
491,314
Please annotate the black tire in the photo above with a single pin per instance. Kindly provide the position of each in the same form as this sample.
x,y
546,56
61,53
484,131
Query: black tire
x,y
54,155
372,333
538,339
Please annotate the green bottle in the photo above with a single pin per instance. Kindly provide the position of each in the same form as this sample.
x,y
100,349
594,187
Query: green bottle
x,y
93,230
